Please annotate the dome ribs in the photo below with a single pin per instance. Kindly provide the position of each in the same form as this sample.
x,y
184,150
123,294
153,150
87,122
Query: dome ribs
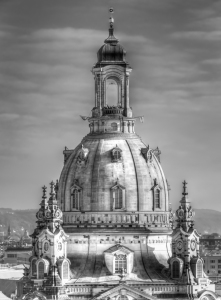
x,y
95,182
139,174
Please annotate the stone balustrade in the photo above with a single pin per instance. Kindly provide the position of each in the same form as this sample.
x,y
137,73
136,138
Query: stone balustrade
x,y
145,219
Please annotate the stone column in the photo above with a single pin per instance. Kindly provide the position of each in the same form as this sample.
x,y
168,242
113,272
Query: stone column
x,y
125,127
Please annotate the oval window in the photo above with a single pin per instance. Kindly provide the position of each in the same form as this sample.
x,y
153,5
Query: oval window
x,y
46,246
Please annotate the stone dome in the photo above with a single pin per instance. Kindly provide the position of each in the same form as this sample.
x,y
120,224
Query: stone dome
x,y
95,170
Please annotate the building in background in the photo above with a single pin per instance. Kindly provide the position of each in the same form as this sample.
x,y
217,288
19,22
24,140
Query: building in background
x,y
2,237
17,255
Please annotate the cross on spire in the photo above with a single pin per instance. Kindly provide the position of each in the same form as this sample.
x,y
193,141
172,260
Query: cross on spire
x,y
185,193
44,188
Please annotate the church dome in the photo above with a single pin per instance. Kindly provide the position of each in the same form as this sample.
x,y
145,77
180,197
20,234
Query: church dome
x,y
101,166
112,177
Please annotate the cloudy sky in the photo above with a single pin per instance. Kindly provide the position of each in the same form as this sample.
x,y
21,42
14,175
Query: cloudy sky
x,y
48,48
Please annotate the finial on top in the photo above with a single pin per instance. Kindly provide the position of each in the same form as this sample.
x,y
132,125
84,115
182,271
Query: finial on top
x,y
44,188
52,184
185,193
111,19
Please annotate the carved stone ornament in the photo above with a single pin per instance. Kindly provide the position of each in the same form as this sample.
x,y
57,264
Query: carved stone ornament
x,y
180,213
147,154
40,215
157,153
82,155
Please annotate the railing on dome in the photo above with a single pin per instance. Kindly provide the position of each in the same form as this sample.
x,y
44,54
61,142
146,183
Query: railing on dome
x,y
112,110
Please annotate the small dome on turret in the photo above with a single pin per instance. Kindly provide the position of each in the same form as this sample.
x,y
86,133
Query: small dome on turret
x,y
111,51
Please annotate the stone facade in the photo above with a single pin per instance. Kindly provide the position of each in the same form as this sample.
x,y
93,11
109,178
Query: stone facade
x,y
112,198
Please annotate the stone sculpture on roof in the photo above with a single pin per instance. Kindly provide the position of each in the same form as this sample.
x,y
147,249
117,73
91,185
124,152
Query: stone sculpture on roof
x,y
105,232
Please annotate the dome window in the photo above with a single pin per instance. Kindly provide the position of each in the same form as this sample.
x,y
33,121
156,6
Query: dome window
x,y
76,194
156,195
118,196
120,263
157,198
116,154
119,259
75,199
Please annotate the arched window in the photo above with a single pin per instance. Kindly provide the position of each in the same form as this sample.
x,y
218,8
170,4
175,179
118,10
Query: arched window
x,y
75,199
118,193
120,263
176,269
199,269
33,267
116,155
157,198
65,270
111,92
41,270
114,126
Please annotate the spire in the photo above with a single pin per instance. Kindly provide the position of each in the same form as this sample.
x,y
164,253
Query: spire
x,y
111,39
185,188
185,212
52,199
184,199
44,196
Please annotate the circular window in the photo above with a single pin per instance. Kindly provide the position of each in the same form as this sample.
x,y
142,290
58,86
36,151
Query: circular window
x,y
46,246
60,246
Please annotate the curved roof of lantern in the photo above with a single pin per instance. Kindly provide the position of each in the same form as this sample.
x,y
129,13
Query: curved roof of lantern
x,y
112,51
98,173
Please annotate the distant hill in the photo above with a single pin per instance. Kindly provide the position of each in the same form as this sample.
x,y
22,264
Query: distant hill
x,y
206,220
19,220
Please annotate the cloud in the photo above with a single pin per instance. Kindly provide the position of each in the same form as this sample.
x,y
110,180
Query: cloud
x,y
46,84
8,117
198,35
